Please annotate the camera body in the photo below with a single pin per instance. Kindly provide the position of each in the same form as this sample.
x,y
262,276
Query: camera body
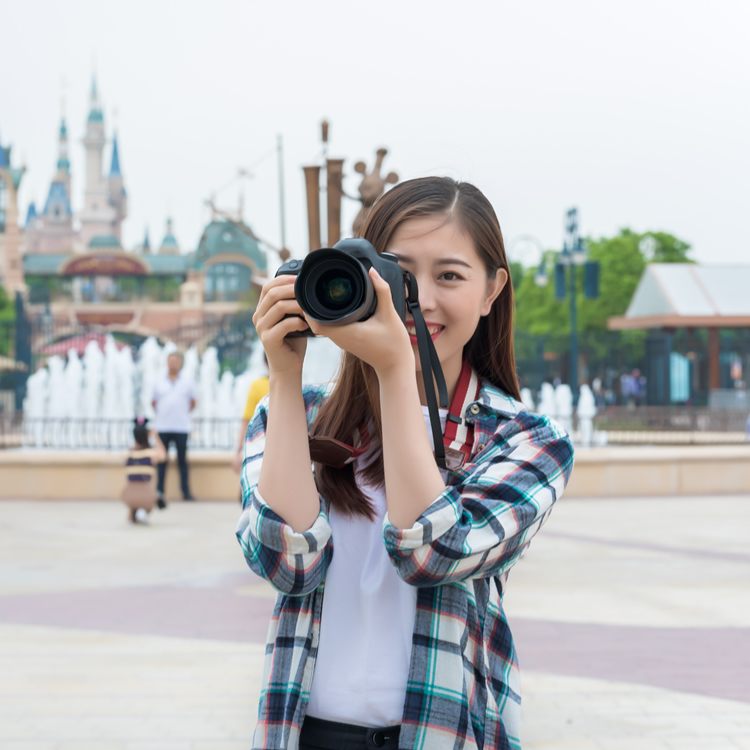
x,y
333,285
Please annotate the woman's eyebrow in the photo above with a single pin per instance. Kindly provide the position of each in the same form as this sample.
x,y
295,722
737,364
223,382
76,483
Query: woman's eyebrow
x,y
438,261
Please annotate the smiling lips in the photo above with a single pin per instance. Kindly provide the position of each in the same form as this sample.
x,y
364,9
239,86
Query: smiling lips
x,y
434,328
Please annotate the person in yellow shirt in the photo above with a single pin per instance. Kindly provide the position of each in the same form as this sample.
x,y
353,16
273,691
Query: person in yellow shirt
x,y
258,389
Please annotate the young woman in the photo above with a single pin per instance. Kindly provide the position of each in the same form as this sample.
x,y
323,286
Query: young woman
x,y
388,629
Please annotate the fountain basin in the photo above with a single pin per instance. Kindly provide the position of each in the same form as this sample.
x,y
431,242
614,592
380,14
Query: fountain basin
x,y
623,471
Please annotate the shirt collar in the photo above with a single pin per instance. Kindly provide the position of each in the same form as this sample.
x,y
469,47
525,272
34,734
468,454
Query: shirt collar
x,y
493,403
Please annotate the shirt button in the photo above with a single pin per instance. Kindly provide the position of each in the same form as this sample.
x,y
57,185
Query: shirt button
x,y
474,408
378,739
481,447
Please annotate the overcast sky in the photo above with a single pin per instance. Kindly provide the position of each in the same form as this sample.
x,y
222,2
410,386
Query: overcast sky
x,y
636,112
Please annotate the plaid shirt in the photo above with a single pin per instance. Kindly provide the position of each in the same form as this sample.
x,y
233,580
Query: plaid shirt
x,y
463,689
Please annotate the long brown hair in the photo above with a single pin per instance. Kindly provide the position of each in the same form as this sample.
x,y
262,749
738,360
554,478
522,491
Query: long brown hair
x,y
355,397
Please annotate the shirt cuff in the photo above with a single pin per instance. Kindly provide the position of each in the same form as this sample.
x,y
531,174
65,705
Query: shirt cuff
x,y
441,516
273,532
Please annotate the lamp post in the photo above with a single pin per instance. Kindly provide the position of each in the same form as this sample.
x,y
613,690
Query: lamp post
x,y
568,259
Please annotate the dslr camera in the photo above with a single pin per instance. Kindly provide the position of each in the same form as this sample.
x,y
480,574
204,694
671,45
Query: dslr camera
x,y
333,285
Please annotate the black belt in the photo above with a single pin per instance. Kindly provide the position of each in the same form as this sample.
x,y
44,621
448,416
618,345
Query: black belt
x,y
332,735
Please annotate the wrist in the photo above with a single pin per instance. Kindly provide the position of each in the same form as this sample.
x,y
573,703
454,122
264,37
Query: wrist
x,y
400,376
284,379
401,368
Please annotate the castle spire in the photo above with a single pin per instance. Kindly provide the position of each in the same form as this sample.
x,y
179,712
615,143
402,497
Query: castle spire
x,y
63,163
114,169
95,111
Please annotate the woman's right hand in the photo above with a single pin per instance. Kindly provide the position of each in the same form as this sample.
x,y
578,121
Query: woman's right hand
x,y
277,300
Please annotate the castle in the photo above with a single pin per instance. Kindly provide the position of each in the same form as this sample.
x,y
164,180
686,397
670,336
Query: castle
x,y
71,265
105,205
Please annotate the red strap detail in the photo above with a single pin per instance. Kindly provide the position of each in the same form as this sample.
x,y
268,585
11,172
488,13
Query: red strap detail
x,y
459,436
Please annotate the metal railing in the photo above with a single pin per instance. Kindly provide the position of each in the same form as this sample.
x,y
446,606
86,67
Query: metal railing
x,y
670,419
62,433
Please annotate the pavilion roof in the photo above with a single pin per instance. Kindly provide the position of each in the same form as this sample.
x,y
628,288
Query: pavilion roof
x,y
687,295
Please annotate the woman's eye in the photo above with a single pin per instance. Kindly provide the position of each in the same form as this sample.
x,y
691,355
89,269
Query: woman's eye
x,y
450,276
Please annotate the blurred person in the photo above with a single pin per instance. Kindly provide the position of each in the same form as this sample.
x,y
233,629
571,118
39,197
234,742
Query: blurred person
x,y
139,493
599,397
409,646
174,397
639,387
258,389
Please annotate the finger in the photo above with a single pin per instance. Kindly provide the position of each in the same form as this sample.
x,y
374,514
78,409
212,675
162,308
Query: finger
x,y
287,326
277,281
275,338
272,296
277,313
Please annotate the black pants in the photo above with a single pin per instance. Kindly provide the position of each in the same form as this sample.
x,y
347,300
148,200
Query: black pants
x,y
317,734
180,441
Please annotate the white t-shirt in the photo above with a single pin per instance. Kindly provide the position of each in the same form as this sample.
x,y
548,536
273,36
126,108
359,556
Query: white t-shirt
x,y
366,625
173,403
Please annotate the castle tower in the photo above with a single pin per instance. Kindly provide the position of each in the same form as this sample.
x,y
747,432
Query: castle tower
x,y
63,163
169,245
11,267
118,196
98,217
52,230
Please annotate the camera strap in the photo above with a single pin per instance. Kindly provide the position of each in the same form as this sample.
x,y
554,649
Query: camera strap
x,y
334,453
430,363
459,436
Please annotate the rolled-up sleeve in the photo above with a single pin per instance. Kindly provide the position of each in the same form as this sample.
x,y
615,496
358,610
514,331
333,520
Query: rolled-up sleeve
x,y
479,526
294,562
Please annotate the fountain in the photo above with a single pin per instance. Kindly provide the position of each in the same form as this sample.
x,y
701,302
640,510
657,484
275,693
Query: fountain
x,y
527,399
586,412
547,403
564,403
69,402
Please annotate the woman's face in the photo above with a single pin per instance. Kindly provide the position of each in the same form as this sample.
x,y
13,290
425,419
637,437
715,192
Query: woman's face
x,y
454,290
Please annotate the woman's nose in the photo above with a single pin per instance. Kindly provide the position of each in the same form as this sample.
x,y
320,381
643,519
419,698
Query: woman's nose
x,y
427,294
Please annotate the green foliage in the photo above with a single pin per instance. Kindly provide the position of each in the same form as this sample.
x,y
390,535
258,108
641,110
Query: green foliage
x,y
516,273
622,260
621,265
665,248
537,311
7,323
7,306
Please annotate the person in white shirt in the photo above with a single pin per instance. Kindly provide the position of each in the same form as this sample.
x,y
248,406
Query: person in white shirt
x,y
173,399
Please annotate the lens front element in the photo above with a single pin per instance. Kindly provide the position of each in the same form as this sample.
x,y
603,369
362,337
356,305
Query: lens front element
x,y
335,289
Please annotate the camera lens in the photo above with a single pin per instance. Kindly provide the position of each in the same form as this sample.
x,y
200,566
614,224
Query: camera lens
x,y
335,289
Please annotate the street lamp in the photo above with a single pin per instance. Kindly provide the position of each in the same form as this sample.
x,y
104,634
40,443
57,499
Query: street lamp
x,y
572,255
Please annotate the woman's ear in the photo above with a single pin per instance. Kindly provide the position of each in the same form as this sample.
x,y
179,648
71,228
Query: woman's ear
x,y
494,287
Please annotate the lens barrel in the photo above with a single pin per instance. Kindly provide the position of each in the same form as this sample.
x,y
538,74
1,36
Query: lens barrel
x,y
335,288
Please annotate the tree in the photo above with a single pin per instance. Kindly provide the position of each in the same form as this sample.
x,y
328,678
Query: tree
x,y
7,316
660,247
622,260
516,273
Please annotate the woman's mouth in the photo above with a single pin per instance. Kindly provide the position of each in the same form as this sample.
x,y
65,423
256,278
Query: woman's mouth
x,y
434,329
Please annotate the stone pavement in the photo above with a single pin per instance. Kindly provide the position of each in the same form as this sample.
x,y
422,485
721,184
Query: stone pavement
x,y
632,622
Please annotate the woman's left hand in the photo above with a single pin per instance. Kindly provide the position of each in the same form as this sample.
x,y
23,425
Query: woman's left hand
x,y
381,341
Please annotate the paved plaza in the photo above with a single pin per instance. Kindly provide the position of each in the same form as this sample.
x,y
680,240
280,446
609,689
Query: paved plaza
x,y
632,621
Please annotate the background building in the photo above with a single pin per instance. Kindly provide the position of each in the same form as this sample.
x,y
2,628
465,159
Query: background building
x,y
76,271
